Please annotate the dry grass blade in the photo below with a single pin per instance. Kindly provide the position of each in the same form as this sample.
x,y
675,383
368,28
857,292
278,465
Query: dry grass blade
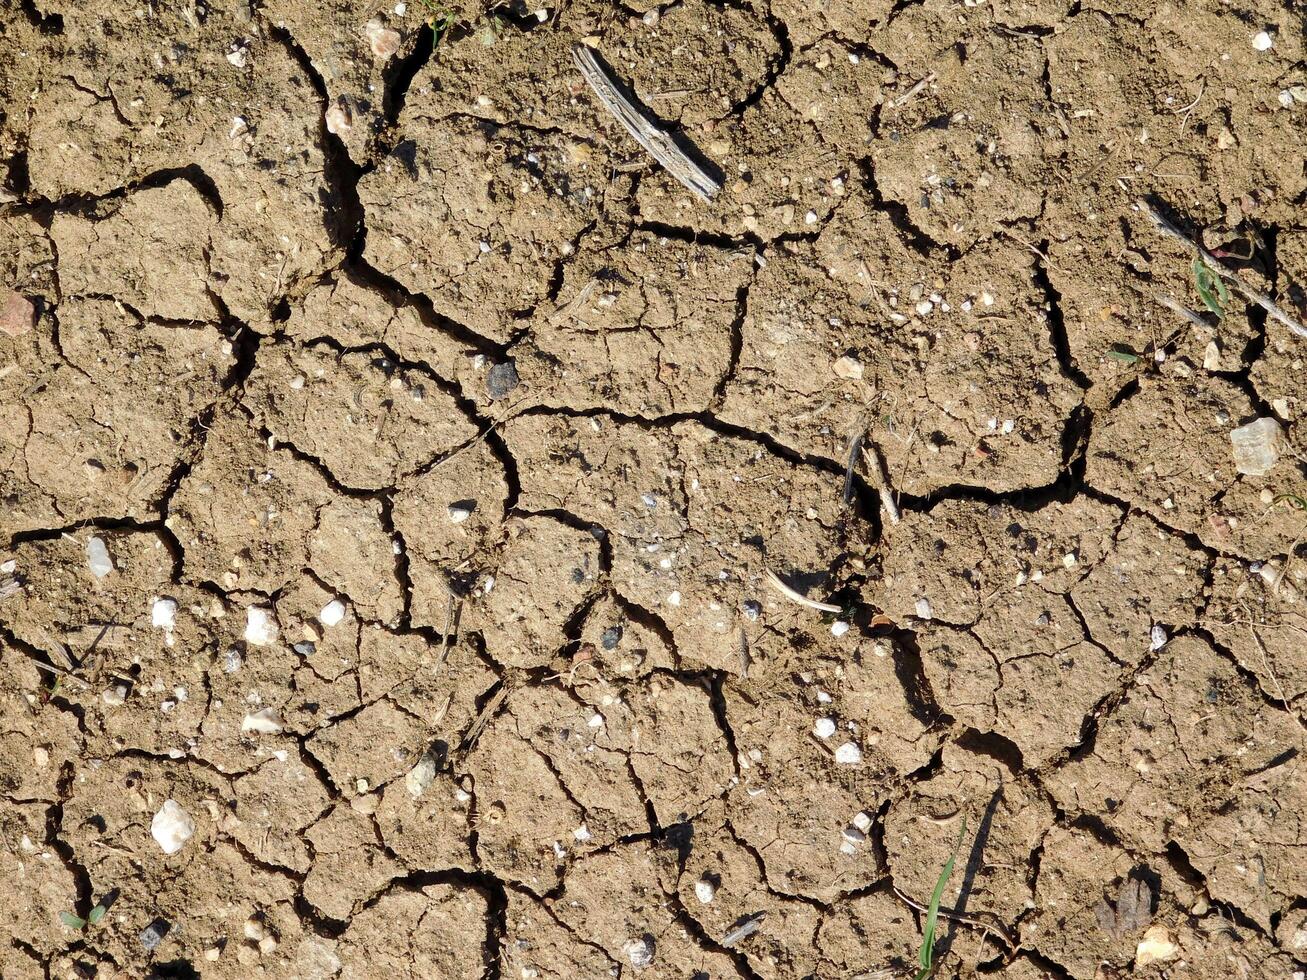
x,y
1220,268
775,582
635,119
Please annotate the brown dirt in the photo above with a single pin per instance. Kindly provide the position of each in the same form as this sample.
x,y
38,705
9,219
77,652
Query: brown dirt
x,y
442,445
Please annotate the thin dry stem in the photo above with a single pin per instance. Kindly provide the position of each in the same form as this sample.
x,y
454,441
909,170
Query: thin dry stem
x,y
1231,277
775,582
635,120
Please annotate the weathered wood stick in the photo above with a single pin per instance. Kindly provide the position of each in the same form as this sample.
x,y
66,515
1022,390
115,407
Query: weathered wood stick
x,y
636,120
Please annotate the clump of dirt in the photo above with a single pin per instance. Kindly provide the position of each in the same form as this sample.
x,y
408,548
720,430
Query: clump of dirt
x,y
434,542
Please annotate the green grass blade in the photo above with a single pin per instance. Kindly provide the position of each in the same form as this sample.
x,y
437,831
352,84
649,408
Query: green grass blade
x,y
72,921
926,956
1205,279
96,915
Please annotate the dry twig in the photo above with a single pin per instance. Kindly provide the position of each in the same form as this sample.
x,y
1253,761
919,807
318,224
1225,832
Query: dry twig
x,y
635,119
1231,277
877,463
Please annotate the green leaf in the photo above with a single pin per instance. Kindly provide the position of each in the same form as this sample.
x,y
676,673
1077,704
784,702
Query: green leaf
x,y
72,921
1122,355
926,956
1210,287
96,915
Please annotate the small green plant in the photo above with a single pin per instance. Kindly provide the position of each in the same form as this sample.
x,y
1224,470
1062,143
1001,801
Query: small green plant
x,y
1123,354
1210,287
1293,499
440,19
926,955
74,921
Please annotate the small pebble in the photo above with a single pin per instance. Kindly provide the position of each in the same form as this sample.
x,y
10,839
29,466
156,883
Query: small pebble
x,y
254,928
611,637
265,721
339,119
163,613
232,660
97,557
383,41
1157,637
848,754
332,613
1257,446
848,367
853,835
152,935
260,626
1262,41
172,827
705,891
752,610
582,833
839,627
639,952
114,696
501,379
862,820
17,314
923,609
460,511
824,727
674,599
267,944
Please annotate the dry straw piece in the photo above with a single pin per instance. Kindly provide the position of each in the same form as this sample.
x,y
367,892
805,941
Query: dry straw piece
x,y
635,119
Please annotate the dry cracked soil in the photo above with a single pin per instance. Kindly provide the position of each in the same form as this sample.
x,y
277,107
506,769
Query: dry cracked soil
x,y
397,469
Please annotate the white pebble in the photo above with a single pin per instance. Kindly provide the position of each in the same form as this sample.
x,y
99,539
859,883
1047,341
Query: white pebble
x,y
1009,425
172,827
862,820
260,626
923,609
848,754
97,557
640,952
1262,41
853,835
839,627
596,720
332,613
810,218
582,833
265,721
1157,637
114,696
674,599
705,891
163,613
924,307
824,727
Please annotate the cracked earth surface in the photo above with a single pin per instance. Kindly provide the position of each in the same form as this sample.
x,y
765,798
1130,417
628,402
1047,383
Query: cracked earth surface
x,y
393,462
